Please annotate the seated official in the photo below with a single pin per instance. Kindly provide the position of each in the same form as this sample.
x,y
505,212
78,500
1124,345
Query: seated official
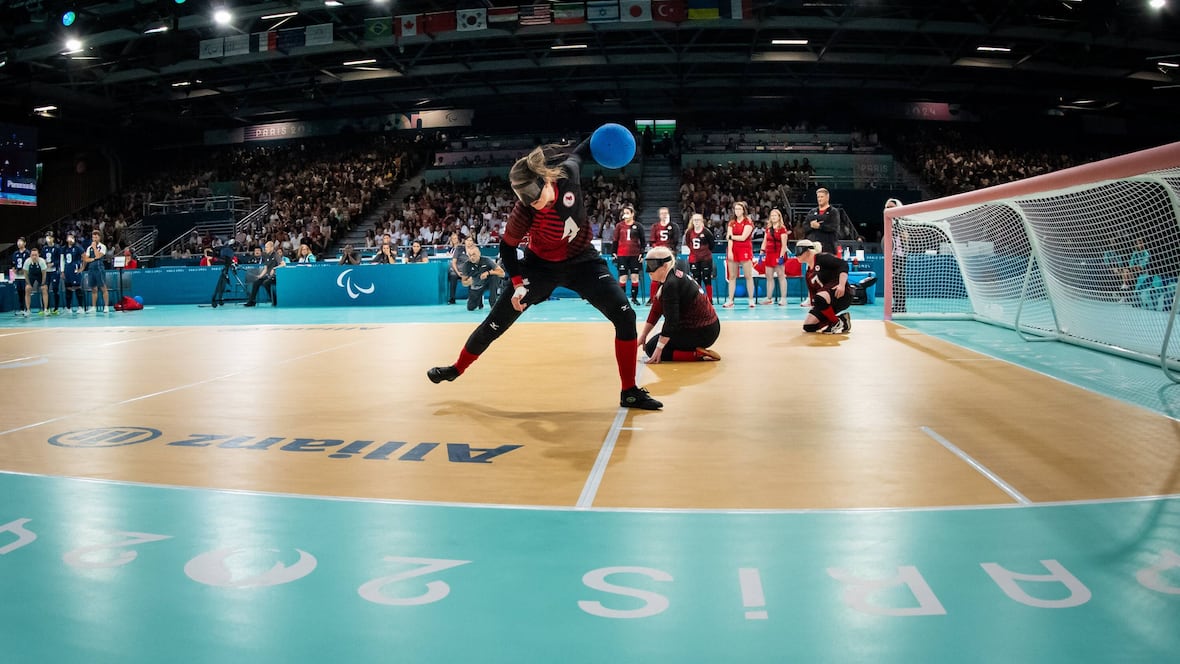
x,y
417,254
267,277
690,322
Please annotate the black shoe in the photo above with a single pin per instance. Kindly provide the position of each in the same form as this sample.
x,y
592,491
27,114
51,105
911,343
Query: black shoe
x,y
439,374
214,303
637,397
847,321
635,302
249,304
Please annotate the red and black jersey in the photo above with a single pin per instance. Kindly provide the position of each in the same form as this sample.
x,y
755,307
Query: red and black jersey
x,y
561,231
700,245
825,275
666,236
682,304
629,240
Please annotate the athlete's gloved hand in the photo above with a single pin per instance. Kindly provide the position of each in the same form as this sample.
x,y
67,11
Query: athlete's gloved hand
x,y
518,297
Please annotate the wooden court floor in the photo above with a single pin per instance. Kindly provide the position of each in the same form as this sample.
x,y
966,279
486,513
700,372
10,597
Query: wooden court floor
x,y
884,417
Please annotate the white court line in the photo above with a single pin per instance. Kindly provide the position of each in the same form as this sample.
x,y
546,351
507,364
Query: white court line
x,y
590,490
147,336
175,389
995,479
21,359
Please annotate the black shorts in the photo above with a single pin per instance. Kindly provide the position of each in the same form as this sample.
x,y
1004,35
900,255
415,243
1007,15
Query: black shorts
x,y
702,271
583,277
627,264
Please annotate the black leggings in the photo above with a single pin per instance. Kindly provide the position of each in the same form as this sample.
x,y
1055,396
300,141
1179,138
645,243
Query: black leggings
x,y
688,339
591,279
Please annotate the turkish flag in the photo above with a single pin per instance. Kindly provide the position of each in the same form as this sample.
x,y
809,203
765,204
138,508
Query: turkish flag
x,y
436,22
672,11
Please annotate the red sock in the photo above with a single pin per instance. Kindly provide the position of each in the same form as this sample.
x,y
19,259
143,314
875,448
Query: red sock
x,y
623,285
465,360
829,314
684,356
709,291
625,355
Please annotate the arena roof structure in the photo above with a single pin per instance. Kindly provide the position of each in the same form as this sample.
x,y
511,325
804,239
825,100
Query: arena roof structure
x,y
163,64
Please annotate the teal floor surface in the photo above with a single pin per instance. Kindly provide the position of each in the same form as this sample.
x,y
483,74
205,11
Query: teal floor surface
x,y
94,571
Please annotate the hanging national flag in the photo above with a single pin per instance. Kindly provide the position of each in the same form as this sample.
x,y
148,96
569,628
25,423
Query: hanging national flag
x,y
407,26
535,15
736,9
568,13
291,39
438,22
501,17
602,11
472,19
703,10
264,41
237,45
378,28
635,10
319,34
671,11
211,48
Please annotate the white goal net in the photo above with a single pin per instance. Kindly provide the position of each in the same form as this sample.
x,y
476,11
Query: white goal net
x,y
1094,263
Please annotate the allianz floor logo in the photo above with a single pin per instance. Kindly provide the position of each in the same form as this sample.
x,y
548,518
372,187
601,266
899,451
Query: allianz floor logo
x,y
334,448
354,291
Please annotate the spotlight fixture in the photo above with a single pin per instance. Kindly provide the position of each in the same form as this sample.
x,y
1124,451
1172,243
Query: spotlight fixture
x,y
73,46
222,17
68,18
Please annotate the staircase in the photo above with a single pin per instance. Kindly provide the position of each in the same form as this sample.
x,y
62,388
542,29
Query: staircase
x,y
356,236
659,187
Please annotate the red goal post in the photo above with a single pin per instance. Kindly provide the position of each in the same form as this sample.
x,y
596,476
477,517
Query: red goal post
x,y
1088,255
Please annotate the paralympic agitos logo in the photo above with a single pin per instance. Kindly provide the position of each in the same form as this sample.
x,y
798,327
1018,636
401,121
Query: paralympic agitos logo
x,y
335,448
354,291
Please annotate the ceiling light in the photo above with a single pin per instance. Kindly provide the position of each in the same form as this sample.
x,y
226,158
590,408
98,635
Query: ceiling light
x,y
1169,65
566,47
789,42
3,58
68,18
45,109
993,49
333,3
73,46
156,28
283,15
181,84
350,63
1157,4
222,16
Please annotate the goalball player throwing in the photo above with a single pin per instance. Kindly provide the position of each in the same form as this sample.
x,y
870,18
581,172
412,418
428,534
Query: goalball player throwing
x,y
551,211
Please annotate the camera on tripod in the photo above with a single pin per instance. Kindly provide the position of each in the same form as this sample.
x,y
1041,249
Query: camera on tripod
x,y
229,276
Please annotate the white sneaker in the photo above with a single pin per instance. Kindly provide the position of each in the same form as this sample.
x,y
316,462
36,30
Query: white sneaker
x,y
90,311
74,311
106,309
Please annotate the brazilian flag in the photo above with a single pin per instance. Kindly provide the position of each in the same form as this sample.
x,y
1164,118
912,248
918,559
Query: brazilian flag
x,y
378,28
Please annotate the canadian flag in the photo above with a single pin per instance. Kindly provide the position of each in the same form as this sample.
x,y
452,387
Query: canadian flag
x,y
407,26
635,10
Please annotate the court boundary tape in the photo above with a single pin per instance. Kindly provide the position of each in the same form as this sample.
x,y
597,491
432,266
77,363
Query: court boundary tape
x,y
594,480
405,502
982,469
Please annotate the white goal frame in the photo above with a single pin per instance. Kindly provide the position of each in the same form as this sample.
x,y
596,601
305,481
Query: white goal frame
x,y
1029,255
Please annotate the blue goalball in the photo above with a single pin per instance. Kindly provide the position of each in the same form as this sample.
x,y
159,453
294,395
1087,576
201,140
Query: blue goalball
x,y
612,145
138,299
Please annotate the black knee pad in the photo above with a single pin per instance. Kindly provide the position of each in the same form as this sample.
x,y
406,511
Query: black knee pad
x,y
814,327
